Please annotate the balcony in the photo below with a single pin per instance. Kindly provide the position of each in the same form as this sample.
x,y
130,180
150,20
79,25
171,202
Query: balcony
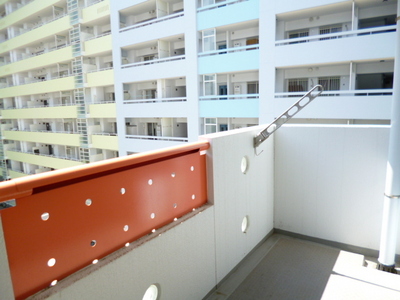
x,y
98,44
230,106
19,12
194,213
95,10
55,27
61,111
45,137
234,60
16,173
149,13
40,87
375,103
224,49
108,141
372,43
104,77
41,60
102,110
46,160
226,12
160,51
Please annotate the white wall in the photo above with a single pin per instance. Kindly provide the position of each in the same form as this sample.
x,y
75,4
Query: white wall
x,y
236,195
187,259
329,182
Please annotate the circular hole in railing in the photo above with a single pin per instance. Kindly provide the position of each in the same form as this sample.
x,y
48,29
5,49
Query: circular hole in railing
x,y
293,111
88,202
51,262
271,129
245,224
45,216
126,227
303,102
152,215
54,282
93,243
150,182
123,191
151,293
244,164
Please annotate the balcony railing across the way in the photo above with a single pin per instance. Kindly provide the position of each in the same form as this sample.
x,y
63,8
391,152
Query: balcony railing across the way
x,y
336,35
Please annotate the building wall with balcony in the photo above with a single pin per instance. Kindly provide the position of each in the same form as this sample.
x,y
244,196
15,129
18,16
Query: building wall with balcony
x,y
55,67
43,137
41,112
50,29
328,35
221,14
46,161
40,61
147,48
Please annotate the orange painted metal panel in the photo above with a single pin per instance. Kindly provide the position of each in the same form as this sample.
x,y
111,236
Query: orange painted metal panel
x,y
88,212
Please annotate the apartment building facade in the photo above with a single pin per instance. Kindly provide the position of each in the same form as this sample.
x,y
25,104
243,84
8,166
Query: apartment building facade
x,y
175,69
57,104
184,68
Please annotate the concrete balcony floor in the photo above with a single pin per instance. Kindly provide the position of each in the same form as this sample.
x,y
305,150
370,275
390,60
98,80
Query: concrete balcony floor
x,y
283,267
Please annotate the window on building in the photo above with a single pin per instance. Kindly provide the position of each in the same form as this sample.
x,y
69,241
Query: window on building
x,y
210,125
377,21
252,88
149,94
209,43
209,84
330,29
330,83
374,81
298,34
297,85
207,2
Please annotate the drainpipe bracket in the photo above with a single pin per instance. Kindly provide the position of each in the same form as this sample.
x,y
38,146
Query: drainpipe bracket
x,y
385,268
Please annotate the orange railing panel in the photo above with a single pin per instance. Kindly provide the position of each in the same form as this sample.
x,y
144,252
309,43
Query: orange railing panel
x,y
65,219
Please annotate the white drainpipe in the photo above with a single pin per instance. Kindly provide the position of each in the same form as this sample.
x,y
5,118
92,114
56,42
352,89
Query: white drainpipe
x,y
391,206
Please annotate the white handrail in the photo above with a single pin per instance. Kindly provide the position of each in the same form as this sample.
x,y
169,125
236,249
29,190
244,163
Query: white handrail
x,y
229,97
45,131
154,61
159,138
218,5
342,34
152,21
230,50
155,100
341,93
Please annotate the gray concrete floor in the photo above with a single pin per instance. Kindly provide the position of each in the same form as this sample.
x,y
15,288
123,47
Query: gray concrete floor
x,y
288,268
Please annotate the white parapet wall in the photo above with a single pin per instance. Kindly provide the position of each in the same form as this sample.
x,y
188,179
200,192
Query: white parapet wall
x,y
188,258
329,182
237,195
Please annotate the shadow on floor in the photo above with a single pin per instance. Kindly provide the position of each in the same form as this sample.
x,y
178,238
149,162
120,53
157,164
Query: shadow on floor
x,y
293,269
